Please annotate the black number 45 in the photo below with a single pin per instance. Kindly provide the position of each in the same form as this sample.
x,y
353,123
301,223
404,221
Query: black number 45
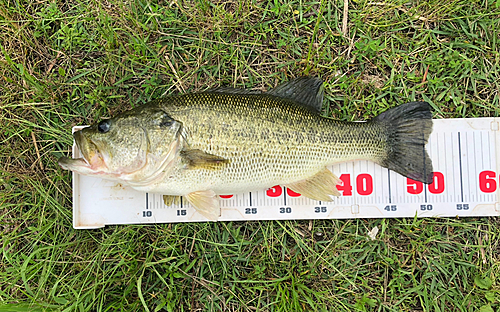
x,y
391,208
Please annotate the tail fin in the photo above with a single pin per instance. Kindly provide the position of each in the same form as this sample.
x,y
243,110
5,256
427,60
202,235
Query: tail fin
x,y
408,127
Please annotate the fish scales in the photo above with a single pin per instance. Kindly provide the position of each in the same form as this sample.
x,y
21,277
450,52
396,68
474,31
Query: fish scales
x,y
232,140
267,140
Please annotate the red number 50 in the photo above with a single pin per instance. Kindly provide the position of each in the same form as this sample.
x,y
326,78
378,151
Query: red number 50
x,y
436,187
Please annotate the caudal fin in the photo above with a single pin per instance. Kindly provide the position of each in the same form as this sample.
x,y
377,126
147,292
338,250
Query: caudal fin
x,y
408,127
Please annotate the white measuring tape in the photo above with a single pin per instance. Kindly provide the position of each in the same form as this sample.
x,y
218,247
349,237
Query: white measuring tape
x,y
466,160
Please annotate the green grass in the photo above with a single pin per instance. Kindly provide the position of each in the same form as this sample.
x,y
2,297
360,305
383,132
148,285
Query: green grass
x,y
65,63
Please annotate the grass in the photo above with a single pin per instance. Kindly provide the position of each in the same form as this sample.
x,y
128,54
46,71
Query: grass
x,y
66,63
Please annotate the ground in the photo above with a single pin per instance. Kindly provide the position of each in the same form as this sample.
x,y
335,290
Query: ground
x,y
66,63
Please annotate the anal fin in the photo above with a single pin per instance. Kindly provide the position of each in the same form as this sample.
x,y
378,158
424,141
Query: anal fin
x,y
206,203
318,187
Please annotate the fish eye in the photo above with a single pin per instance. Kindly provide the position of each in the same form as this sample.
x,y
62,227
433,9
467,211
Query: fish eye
x,y
104,126
166,121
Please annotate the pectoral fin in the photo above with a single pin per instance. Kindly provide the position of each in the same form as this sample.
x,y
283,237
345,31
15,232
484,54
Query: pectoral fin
x,y
196,159
170,200
206,203
317,187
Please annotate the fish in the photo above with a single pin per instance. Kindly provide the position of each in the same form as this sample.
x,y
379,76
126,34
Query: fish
x,y
228,140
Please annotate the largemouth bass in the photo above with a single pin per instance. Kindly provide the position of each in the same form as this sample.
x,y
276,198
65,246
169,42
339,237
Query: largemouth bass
x,y
224,141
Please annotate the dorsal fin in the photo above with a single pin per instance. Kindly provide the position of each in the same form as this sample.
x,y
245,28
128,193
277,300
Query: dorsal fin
x,y
231,90
307,91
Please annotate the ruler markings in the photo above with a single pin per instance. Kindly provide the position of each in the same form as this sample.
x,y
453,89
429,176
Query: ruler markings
x,y
354,198
481,167
482,150
460,166
493,162
351,200
425,193
469,156
491,157
376,189
480,154
452,167
439,156
381,196
376,186
339,171
344,199
434,154
423,153
396,189
442,165
475,163
463,167
389,183
483,134
468,196
471,164
452,150
364,198
446,165
437,198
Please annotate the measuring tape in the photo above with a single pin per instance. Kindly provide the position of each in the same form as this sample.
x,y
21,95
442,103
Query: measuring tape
x,y
466,159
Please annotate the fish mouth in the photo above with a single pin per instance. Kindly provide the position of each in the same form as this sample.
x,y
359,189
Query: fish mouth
x,y
88,149
92,161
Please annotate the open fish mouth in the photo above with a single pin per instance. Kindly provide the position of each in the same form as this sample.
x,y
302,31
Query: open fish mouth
x,y
92,161
88,149
73,164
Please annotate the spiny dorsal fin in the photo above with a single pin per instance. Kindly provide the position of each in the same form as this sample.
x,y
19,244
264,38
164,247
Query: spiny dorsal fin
x,y
307,91
230,90
197,159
